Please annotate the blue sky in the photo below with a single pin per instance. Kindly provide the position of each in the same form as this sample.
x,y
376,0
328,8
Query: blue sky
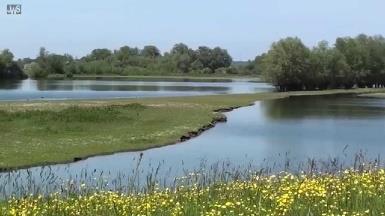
x,y
244,27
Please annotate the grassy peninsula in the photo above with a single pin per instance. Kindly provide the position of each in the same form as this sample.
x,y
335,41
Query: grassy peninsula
x,y
46,132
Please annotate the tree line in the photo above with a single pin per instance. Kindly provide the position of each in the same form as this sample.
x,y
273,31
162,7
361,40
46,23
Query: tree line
x,y
351,62
132,61
289,64
9,69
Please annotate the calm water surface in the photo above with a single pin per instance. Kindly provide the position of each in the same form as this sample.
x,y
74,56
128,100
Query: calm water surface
x,y
269,132
102,89
301,127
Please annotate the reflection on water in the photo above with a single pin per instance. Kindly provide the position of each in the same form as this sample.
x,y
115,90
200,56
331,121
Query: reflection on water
x,y
11,84
268,133
328,106
93,89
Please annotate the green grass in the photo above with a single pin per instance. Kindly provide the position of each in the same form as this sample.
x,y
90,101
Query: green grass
x,y
47,136
350,192
44,132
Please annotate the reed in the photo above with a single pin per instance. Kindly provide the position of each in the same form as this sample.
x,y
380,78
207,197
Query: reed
x,y
308,188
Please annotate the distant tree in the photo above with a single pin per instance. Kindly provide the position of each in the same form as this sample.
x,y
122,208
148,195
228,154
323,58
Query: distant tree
x,y
320,63
286,64
128,61
357,61
220,58
150,52
126,54
204,56
6,56
180,49
340,71
212,58
376,62
9,69
356,57
55,64
251,67
183,62
42,61
197,65
100,54
42,52
257,64
35,71
24,61
182,57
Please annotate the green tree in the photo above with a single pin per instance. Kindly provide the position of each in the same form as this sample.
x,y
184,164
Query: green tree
x,y
376,61
100,54
220,58
180,49
204,56
356,57
6,57
257,64
9,69
150,52
286,64
35,71
126,55
128,61
182,57
320,63
197,65
340,71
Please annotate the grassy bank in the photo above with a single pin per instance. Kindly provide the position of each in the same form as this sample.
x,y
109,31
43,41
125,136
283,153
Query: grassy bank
x,y
343,193
41,132
374,95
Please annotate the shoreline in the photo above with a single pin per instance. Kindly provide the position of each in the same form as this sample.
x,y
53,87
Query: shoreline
x,y
195,133
183,138
171,77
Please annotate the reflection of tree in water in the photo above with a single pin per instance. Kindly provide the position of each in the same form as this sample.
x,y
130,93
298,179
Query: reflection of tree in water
x,y
122,88
155,88
55,85
72,86
323,107
10,84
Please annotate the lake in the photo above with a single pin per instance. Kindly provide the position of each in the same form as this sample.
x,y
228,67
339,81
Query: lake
x,y
267,134
109,89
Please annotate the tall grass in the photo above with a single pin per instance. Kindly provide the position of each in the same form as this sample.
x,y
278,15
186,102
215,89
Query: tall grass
x,y
313,188
144,178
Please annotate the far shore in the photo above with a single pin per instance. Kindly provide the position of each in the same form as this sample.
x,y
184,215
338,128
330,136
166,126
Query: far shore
x,y
374,95
196,77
